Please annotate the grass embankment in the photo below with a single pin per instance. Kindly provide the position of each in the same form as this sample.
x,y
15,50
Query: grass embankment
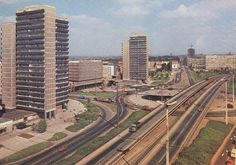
x,y
98,141
160,78
85,118
205,145
98,94
112,106
58,136
200,75
26,152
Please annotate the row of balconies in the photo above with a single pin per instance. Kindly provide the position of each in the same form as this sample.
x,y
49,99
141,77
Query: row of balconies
x,y
64,39
29,88
30,22
30,37
30,42
31,27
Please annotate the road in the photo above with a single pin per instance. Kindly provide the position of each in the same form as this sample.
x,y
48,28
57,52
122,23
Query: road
x,y
191,81
182,131
111,152
53,155
231,113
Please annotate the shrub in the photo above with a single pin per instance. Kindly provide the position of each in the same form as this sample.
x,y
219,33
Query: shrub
x,y
40,127
21,125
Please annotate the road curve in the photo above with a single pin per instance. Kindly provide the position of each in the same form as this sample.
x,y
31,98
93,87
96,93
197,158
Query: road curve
x,y
52,155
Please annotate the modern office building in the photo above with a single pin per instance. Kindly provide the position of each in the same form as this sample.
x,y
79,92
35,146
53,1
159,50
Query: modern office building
x,y
41,60
138,58
8,73
191,51
135,58
85,73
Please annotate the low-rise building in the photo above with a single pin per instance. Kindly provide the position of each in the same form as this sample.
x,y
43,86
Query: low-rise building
x,y
108,71
85,72
175,65
220,62
196,62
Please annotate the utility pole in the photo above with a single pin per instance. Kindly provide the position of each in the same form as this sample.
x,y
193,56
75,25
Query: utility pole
x,y
226,102
167,137
117,97
233,88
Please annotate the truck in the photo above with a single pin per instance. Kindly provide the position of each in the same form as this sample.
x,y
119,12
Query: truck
x,y
134,127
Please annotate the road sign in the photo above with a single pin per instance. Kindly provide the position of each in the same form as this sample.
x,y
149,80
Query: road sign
x,y
233,153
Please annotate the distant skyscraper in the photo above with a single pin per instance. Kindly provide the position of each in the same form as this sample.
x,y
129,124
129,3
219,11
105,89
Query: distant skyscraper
x,y
125,55
137,57
191,51
42,60
8,54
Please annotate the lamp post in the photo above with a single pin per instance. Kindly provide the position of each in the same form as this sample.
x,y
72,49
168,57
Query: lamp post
x,y
167,132
233,88
226,102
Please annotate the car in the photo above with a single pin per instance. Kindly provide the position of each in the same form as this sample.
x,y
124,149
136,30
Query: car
x,y
62,148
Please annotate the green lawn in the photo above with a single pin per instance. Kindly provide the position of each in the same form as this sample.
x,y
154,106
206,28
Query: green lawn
x,y
98,141
198,76
160,78
205,145
58,136
27,152
85,118
98,94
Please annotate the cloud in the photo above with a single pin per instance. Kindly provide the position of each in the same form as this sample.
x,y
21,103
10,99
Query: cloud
x,y
5,19
134,8
205,10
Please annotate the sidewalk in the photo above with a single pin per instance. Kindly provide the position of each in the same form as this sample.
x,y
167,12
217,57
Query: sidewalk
x,y
20,139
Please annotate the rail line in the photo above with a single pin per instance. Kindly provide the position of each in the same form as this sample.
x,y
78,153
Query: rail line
x,y
153,140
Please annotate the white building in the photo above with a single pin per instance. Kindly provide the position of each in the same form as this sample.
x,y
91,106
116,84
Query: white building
x,y
108,71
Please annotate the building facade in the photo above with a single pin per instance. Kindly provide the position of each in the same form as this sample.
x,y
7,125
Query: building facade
x,y
197,62
220,62
85,72
135,58
138,58
125,59
108,71
62,62
41,59
8,69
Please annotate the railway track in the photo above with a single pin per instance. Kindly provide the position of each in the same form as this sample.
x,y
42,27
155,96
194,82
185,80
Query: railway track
x,y
138,151
111,155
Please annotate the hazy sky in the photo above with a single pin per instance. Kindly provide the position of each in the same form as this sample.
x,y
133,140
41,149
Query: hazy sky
x,y
97,27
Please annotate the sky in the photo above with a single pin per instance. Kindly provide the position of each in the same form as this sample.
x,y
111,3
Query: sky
x,y
98,27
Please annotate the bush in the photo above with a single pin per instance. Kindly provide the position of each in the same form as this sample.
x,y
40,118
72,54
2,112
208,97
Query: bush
x,y
21,125
40,127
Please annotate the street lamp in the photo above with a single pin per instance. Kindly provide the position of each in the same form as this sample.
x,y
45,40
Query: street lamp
x,y
226,103
167,105
233,88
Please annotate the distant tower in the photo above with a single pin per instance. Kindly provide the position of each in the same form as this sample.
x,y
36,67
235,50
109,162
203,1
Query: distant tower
x,y
138,58
191,51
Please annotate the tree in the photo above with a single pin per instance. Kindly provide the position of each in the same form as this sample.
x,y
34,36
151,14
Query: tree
x,y
40,127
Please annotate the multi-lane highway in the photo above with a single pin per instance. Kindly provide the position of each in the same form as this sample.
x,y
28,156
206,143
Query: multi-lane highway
x,y
53,154
120,147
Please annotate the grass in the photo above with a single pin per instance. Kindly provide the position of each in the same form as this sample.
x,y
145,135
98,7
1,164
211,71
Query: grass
x,y
85,118
98,94
205,145
198,76
112,106
58,136
92,145
160,78
27,152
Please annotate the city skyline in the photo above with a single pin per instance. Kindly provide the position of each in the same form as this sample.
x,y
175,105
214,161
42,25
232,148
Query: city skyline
x,y
98,28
